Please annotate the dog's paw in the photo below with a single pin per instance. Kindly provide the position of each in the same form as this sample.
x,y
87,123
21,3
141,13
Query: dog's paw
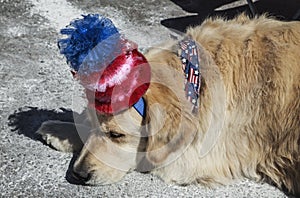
x,y
62,136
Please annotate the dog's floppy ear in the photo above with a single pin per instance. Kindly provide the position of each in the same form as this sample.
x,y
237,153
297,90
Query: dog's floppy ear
x,y
169,131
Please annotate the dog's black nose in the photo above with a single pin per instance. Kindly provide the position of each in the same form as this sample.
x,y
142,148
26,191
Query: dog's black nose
x,y
78,177
82,176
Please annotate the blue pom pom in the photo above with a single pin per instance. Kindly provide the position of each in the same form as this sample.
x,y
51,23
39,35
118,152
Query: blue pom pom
x,y
83,35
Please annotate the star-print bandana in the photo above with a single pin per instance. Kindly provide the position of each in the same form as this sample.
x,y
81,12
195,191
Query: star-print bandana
x,y
191,68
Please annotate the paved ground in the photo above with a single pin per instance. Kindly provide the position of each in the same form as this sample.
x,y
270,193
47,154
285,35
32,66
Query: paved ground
x,y
36,85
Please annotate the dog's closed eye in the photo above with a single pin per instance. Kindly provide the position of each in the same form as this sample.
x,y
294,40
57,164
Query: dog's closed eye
x,y
114,135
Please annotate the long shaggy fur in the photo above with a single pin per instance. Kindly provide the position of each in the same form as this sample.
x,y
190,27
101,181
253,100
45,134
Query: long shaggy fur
x,y
260,68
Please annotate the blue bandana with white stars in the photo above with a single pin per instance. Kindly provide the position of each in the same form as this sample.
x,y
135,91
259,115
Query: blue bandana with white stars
x,y
190,65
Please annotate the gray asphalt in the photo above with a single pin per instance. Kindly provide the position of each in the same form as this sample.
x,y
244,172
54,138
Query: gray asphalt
x,y
36,85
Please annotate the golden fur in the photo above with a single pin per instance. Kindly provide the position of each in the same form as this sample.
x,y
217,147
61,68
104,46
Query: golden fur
x,y
248,123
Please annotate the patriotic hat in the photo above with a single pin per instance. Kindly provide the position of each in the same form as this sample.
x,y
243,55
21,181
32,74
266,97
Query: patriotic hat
x,y
113,72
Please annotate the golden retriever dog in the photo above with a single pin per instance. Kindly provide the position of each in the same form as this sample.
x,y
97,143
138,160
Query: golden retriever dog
x,y
247,123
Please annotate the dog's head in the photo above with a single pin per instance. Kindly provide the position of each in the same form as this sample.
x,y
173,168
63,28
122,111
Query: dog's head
x,y
127,141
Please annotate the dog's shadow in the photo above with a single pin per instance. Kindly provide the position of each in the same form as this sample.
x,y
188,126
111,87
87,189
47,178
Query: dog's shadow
x,y
26,121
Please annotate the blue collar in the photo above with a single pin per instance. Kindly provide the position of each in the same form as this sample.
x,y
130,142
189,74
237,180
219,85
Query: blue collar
x,y
140,107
